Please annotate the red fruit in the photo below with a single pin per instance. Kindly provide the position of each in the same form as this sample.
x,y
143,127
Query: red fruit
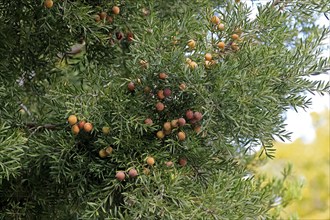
x,y
183,161
81,124
160,106
132,173
167,92
120,175
169,163
130,36
131,86
189,114
148,121
198,116
181,121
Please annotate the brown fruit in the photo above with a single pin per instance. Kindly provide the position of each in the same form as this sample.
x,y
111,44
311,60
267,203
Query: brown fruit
x,y
146,171
103,153
207,64
109,19
181,122
147,89
221,27
119,35
115,10
198,116
81,124
169,163
221,45
75,129
162,76
182,86
167,126
72,119
120,175
160,106
234,46
160,134
148,121
181,136
160,94
189,114
150,161
109,150
103,15
132,173
48,3
131,86
144,64
168,132
234,36
215,19
191,44
88,127
174,123
183,161
167,92
198,129
105,130
130,36
208,56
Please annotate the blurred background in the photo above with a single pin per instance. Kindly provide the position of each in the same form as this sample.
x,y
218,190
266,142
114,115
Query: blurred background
x,y
309,148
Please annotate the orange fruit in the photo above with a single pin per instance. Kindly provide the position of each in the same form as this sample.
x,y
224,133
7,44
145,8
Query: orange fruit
x,y
221,45
120,175
160,94
103,153
105,130
234,36
75,129
162,76
234,46
48,3
72,119
160,106
198,129
167,126
208,56
150,161
109,150
181,136
160,134
215,19
221,27
88,127
116,10
191,44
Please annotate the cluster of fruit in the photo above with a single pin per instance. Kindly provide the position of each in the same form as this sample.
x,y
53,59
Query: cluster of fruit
x,y
81,125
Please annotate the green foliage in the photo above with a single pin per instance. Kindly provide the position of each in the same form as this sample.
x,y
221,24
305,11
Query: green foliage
x,y
46,171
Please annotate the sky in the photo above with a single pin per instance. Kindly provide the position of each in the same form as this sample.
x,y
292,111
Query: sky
x,y
300,123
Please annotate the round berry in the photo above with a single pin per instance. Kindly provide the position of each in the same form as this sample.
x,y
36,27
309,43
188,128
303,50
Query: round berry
x,y
183,161
181,136
198,116
81,124
162,76
160,134
75,129
132,173
115,10
105,130
150,161
88,127
221,45
131,86
191,44
103,153
208,56
72,119
160,94
189,114
167,126
148,121
167,92
48,3
174,123
160,106
120,175
181,122
215,19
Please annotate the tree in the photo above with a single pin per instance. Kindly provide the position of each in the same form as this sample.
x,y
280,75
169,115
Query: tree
x,y
148,109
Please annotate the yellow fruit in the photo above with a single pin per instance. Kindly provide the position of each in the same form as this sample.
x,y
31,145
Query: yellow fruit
x,y
48,3
103,153
193,65
215,19
72,119
109,150
208,56
221,45
106,130
188,60
191,44
150,161
160,134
